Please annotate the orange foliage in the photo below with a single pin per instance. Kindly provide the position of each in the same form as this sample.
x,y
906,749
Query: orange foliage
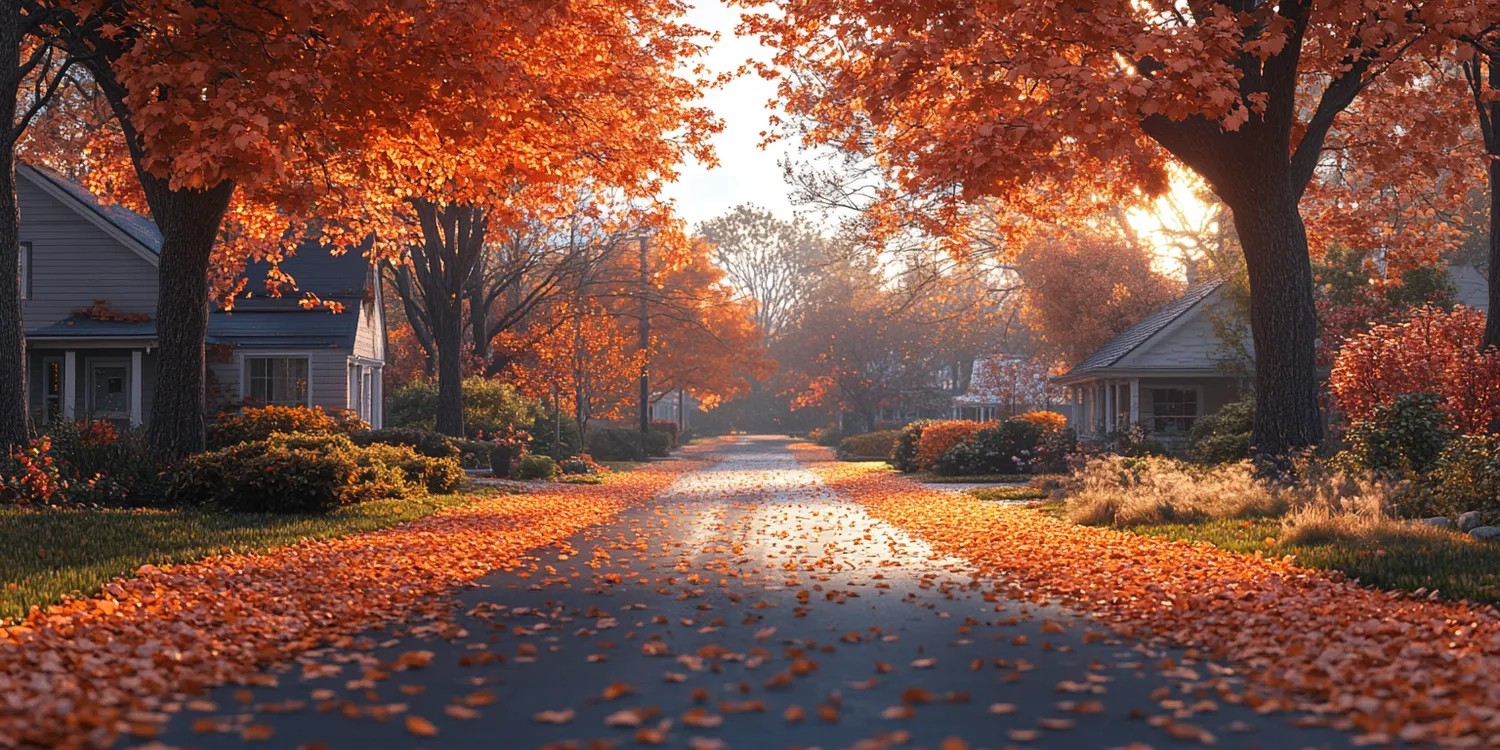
x,y
1047,420
939,437
1433,351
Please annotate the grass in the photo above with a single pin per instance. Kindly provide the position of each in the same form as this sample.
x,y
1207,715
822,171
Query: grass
x,y
1009,494
973,479
624,465
47,554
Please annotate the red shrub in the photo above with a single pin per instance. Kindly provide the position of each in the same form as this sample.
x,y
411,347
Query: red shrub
x,y
1432,351
30,477
938,437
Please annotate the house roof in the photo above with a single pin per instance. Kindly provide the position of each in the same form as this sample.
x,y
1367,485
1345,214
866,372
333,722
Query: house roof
x,y
139,228
81,327
1132,338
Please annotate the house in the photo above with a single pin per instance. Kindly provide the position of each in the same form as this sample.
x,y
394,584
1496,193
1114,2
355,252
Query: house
x,y
1004,386
1168,370
89,288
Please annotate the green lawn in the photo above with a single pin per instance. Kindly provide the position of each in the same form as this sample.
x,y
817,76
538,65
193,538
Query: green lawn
x,y
1454,565
47,554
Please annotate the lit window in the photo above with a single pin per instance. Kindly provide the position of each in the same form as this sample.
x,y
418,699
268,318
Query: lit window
x,y
279,381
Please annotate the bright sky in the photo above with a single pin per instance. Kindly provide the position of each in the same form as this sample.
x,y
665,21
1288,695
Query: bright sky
x,y
746,173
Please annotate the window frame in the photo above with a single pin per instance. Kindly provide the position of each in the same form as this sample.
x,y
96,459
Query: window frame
x,y
245,374
1197,392
90,408
25,270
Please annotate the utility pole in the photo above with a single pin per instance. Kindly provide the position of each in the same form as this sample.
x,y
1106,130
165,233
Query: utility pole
x,y
645,343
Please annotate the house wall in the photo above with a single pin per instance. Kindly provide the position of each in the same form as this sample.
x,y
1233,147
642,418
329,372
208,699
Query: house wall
x,y
1188,343
1472,289
328,372
74,263
369,335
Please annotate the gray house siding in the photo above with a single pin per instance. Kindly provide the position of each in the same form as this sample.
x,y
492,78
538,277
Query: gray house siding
x,y
73,263
327,374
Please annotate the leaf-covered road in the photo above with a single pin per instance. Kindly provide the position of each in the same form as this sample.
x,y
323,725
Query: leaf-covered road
x,y
750,607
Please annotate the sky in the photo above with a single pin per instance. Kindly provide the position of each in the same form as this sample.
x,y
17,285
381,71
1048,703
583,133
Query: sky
x,y
746,173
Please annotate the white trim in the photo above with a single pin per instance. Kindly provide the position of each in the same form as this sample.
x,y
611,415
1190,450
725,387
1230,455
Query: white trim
x,y
24,253
1135,401
243,366
79,207
70,385
136,376
88,390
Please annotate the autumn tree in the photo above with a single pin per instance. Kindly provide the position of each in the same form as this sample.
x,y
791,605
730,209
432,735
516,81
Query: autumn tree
x,y
1081,290
1482,73
1012,99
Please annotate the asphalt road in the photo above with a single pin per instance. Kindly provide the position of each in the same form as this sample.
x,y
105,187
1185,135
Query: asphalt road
x,y
750,608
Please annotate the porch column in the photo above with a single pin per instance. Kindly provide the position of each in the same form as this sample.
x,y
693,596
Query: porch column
x,y
1109,406
1135,401
70,385
135,388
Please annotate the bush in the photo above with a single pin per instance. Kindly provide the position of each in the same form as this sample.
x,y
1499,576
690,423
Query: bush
x,y
1047,421
939,437
1467,476
473,454
488,406
668,426
616,444
659,443
259,423
1053,450
1403,438
307,474
424,442
29,475
533,466
1008,447
1149,490
1433,350
868,445
580,465
828,437
1223,437
545,431
103,466
904,452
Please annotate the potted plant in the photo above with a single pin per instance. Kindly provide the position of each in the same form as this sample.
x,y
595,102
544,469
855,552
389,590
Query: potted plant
x,y
506,447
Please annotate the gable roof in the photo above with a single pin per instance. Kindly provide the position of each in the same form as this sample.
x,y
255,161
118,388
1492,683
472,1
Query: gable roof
x,y
261,320
136,231
1133,337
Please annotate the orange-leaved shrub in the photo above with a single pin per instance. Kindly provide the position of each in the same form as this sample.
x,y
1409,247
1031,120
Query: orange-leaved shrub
x,y
259,423
1046,420
1431,351
938,437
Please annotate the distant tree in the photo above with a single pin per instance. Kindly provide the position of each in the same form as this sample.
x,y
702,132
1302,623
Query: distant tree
x,y
1083,290
769,260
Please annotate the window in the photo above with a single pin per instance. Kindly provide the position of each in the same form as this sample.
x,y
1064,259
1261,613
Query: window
x,y
25,270
1173,410
279,381
52,389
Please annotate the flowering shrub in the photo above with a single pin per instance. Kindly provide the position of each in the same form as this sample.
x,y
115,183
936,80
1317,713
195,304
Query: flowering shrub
x,y
104,466
1046,420
1432,351
940,436
259,423
30,477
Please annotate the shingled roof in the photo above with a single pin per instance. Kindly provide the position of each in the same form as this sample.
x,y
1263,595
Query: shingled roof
x,y
1132,337
139,228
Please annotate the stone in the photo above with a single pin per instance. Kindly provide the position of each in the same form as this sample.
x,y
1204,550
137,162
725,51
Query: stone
x,y
1439,522
1467,522
1485,532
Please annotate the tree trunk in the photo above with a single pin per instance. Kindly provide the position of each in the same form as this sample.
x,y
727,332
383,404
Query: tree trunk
x,y
450,338
189,221
1283,319
13,421
1492,319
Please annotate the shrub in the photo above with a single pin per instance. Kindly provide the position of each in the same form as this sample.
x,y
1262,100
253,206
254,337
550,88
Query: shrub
x,y
1148,490
1404,437
939,437
438,475
103,466
1434,351
1467,475
828,437
668,426
1053,450
1047,421
1224,436
616,444
473,454
533,466
868,445
581,464
29,476
267,476
659,443
1007,447
554,434
488,406
904,452
424,442
261,422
